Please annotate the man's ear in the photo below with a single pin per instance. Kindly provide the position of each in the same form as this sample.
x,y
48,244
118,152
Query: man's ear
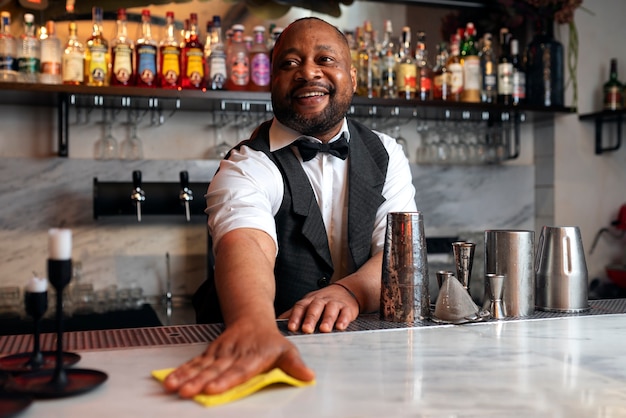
x,y
353,77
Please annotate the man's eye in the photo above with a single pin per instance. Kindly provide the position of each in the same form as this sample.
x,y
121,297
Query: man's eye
x,y
288,64
326,59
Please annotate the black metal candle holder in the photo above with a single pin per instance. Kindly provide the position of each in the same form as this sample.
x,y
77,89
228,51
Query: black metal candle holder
x,y
60,381
36,305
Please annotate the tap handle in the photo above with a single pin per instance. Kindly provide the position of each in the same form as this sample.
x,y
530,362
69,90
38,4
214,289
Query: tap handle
x,y
137,179
184,179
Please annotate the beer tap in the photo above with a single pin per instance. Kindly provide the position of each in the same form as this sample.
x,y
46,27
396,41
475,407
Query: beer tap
x,y
186,194
138,196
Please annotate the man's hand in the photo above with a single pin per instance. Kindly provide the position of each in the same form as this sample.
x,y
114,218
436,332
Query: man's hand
x,y
333,304
243,351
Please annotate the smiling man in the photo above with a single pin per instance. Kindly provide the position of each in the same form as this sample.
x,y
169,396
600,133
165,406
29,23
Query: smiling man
x,y
297,215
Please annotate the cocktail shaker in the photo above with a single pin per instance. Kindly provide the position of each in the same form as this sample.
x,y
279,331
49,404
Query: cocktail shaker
x,y
404,295
510,253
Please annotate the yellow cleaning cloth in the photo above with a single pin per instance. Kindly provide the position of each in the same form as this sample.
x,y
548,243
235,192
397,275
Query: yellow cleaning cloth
x,y
240,391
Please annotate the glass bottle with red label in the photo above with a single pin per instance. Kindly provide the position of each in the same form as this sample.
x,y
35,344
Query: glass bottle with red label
x,y
146,54
193,61
237,61
259,62
169,68
122,54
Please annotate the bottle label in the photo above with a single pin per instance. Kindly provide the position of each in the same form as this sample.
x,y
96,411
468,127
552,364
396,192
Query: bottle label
x,y
53,68
170,67
441,86
217,70
73,68
240,73
407,78
519,85
260,69
146,63
505,79
195,69
28,65
122,63
98,65
456,77
613,98
7,63
471,73
490,82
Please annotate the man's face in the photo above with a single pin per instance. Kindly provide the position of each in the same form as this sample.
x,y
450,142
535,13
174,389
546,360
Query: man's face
x,y
312,79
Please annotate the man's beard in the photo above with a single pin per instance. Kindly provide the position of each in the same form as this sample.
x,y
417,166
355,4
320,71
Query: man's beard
x,y
311,125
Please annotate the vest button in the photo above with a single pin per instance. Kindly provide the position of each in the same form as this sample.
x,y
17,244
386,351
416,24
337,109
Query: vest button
x,y
323,282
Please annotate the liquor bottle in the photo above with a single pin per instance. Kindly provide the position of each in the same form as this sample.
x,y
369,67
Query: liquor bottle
x,y
193,58
455,69
365,74
122,50
388,64
73,58
272,40
8,50
471,66
545,68
613,89
505,70
97,56
353,44
28,62
146,54
169,68
406,69
519,74
217,60
259,62
237,61
51,54
442,84
424,72
489,71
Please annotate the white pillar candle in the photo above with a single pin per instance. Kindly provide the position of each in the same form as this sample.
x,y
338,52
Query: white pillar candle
x,y
37,285
59,244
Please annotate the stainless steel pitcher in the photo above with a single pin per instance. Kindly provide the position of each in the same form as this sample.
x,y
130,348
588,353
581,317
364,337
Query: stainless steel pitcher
x,y
561,270
404,295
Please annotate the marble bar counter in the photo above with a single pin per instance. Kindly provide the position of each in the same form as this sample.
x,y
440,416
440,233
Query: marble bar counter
x,y
572,366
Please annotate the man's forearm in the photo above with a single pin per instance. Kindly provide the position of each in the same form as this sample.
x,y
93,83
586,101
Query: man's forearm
x,y
365,283
244,275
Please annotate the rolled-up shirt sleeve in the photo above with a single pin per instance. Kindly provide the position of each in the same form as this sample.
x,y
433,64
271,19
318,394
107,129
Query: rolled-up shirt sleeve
x,y
246,192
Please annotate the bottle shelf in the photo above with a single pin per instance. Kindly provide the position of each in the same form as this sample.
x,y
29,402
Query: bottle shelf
x,y
164,100
600,118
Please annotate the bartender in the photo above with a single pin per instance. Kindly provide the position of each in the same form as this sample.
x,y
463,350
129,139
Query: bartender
x,y
297,234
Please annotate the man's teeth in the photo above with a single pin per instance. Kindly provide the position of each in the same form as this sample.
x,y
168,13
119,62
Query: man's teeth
x,y
311,94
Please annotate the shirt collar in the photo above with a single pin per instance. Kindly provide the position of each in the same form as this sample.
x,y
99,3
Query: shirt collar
x,y
282,136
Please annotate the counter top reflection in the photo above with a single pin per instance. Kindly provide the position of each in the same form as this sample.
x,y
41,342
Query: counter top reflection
x,y
571,366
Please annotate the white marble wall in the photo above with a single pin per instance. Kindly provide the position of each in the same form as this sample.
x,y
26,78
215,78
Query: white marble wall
x,y
39,193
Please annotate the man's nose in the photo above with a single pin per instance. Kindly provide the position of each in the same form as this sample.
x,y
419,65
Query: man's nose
x,y
308,71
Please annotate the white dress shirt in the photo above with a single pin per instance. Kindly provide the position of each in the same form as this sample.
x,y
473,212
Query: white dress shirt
x,y
247,192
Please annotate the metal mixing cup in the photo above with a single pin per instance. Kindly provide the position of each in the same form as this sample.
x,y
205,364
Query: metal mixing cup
x,y
561,269
404,293
511,253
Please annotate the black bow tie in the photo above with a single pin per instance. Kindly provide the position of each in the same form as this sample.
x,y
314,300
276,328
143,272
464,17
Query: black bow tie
x,y
308,149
